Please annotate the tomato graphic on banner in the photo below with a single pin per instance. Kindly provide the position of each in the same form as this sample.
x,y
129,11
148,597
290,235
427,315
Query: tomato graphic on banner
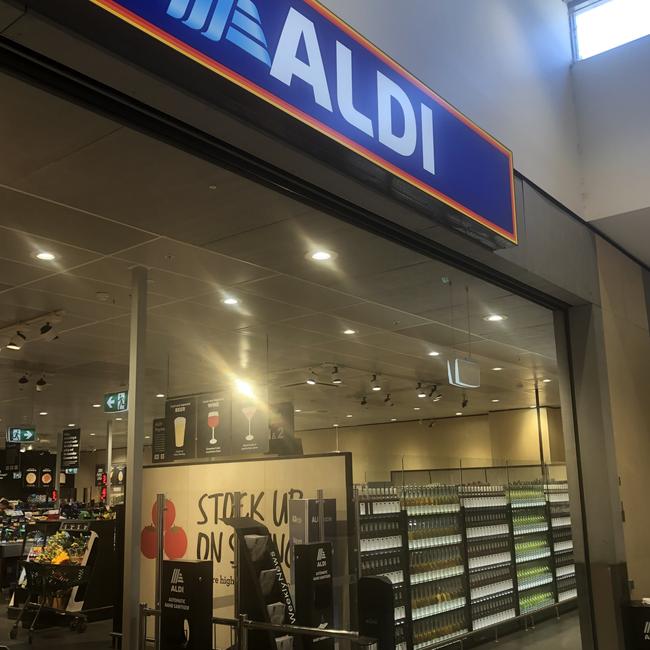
x,y
175,539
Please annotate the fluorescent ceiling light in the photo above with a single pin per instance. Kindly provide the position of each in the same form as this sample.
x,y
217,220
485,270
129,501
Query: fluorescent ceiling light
x,y
494,318
46,256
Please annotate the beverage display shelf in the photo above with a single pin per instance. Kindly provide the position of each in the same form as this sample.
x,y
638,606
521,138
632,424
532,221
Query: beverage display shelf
x,y
561,522
556,487
567,570
497,530
493,596
567,595
520,505
523,586
493,565
494,619
436,643
558,498
440,574
520,532
538,556
470,504
420,613
390,576
427,511
379,515
434,542
384,551
536,608
563,547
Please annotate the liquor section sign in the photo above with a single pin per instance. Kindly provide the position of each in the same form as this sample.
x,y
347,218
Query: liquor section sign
x,y
299,57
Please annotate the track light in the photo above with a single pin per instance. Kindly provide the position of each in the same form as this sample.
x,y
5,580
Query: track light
x,y
465,401
24,380
312,380
374,384
364,401
41,384
432,392
438,397
419,391
48,332
336,376
17,341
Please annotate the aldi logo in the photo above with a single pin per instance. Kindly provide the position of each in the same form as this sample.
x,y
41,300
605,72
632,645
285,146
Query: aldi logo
x,y
302,59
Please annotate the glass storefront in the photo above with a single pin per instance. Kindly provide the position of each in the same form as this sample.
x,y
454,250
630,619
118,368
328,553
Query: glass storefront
x,y
292,360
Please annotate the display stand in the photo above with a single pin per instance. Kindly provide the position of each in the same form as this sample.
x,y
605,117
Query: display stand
x,y
262,591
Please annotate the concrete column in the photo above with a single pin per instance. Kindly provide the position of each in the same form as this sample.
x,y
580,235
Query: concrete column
x,y
109,458
593,478
135,442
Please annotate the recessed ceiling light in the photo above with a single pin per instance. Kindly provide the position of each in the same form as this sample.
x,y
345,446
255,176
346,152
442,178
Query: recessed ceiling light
x,y
419,391
458,413
349,331
147,437
160,394
335,425
71,424
532,407
298,411
118,419
546,381
374,384
497,369
433,353
212,187
321,255
416,408
97,406
393,419
43,413
494,318
92,434
349,415
494,401
45,256
230,301
312,379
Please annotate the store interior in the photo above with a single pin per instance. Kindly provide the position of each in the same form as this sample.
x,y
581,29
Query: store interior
x,y
246,286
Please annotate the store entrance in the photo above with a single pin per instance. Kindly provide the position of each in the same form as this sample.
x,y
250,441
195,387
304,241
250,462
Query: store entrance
x,y
292,360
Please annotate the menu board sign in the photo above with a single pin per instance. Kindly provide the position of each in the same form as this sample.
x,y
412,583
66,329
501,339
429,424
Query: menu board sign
x,y
30,477
181,428
250,431
214,424
159,444
70,451
47,477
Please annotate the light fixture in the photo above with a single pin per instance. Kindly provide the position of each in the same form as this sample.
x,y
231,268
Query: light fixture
x,y
321,255
364,401
374,384
438,397
43,413
46,256
22,450
546,381
416,408
419,391
433,353
29,447
71,424
465,401
388,400
336,376
118,419
497,369
433,390
92,434
41,384
349,415
393,419
160,394
495,318
312,379
17,341
532,407
24,380
97,406
230,301
335,425
147,437
297,410
495,401
458,413
244,388
349,331
48,332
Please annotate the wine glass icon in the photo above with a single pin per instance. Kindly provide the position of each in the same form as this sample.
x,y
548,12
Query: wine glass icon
x,y
213,423
249,412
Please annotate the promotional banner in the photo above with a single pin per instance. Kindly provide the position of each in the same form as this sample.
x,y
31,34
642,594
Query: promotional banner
x,y
214,424
159,441
70,452
181,428
299,57
118,475
200,497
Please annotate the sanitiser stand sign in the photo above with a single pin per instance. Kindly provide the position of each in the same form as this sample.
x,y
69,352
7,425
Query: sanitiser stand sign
x,y
302,59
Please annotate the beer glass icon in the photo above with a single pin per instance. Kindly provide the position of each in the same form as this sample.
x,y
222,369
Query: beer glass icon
x,y
179,431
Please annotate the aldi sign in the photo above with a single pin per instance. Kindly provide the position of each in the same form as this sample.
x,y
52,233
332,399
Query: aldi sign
x,y
302,59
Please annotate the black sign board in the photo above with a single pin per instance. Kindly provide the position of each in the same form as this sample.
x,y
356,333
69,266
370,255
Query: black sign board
x,y
214,424
181,428
70,451
100,475
281,420
30,477
314,590
12,457
118,475
186,619
159,441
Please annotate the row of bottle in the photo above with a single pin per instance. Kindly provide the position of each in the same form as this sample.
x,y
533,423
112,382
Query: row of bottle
x,y
529,602
438,628
380,500
529,549
492,606
379,528
486,578
480,519
435,595
488,547
427,499
445,529
472,489
390,566
567,583
528,520
437,560
533,576
527,495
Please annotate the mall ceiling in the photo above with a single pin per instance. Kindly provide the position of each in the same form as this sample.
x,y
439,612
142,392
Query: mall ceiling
x,y
103,198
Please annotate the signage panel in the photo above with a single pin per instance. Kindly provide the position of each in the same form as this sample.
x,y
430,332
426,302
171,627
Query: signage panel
x,y
21,434
70,452
159,441
299,57
214,424
181,428
116,402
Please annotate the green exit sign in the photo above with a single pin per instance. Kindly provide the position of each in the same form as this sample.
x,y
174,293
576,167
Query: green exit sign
x,y
116,402
21,434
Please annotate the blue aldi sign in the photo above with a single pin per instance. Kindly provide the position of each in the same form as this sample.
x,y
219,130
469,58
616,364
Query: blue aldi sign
x,y
302,59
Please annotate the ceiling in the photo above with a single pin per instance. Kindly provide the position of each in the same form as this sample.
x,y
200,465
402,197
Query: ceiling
x,y
103,198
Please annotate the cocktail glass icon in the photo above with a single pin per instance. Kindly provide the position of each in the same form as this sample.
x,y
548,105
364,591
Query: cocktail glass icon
x,y
249,413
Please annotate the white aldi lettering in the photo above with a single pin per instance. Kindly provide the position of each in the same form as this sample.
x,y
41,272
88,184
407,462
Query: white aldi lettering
x,y
298,56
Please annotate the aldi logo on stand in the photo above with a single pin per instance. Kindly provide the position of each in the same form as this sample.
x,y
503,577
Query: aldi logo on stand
x,y
302,59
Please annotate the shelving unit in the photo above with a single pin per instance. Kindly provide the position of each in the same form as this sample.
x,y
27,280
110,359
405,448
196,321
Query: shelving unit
x,y
383,551
479,555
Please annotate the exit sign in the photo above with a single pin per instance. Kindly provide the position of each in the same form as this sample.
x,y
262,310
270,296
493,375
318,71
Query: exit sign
x,y
21,434
116,402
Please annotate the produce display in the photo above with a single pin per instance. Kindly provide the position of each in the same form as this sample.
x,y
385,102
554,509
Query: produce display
x,y
62,548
